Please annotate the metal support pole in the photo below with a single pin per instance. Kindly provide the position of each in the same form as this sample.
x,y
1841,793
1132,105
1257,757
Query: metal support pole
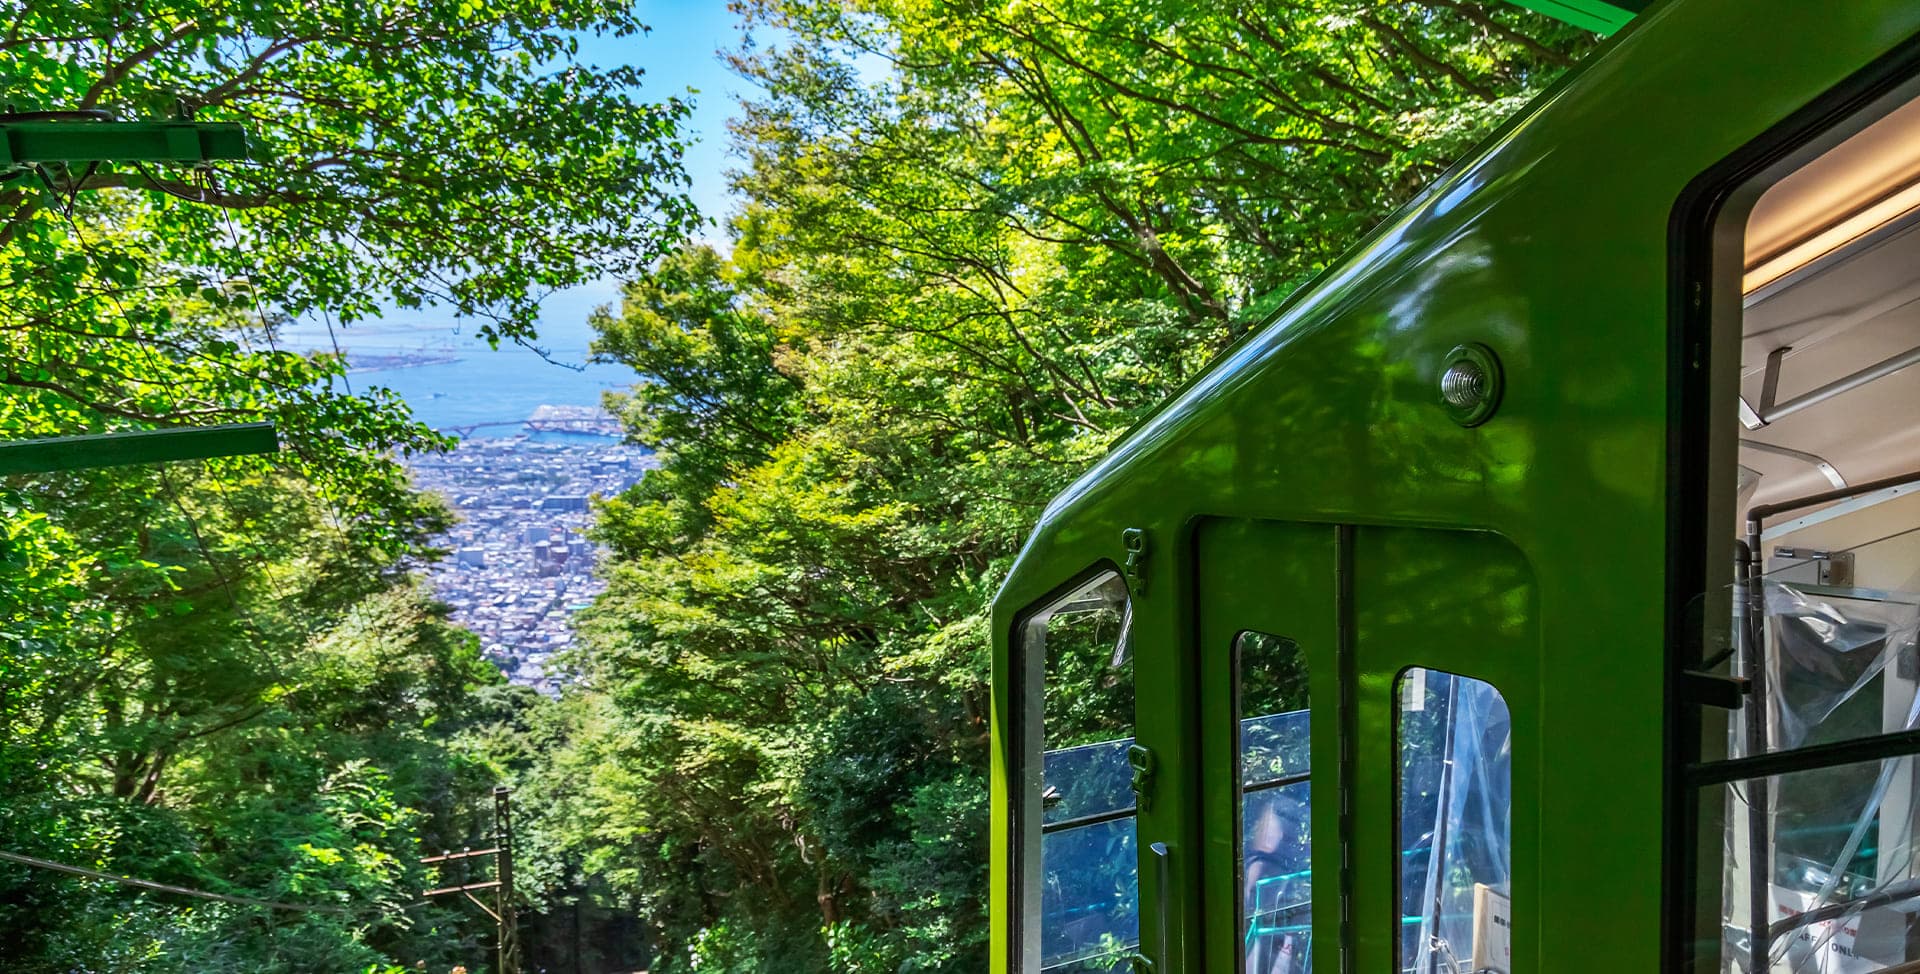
x,y
1815,460
506,925
1847,383
1751,606
509,935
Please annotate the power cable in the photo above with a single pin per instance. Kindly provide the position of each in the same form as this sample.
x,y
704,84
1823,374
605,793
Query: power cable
x,y
220,574
162,887
166,482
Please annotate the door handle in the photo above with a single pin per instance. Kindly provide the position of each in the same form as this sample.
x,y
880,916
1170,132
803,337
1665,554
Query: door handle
x,y
1161,879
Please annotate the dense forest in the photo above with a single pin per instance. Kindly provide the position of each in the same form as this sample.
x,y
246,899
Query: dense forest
x,y
973,244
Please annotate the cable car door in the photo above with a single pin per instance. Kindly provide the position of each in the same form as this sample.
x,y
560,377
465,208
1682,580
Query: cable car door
x,y
1269,740
1445,668
1359,688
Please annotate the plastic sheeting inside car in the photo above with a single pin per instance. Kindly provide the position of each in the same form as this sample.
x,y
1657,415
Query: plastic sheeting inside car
x,y
1456,803
1842,664
1841,887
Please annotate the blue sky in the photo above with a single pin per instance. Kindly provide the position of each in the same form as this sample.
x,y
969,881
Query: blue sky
x,y
681,53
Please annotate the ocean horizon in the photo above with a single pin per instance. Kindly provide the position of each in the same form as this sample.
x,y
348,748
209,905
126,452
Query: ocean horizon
x,y
460,384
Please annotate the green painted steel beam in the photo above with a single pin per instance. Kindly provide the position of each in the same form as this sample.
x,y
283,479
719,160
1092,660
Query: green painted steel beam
x,y
1599,16
28,142
146,446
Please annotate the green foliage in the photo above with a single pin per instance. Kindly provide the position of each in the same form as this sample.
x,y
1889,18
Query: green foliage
x,y
977,242
245,760
220,675
446,153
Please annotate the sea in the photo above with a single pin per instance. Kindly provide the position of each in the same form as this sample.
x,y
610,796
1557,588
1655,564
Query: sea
x,y
456,383
509,595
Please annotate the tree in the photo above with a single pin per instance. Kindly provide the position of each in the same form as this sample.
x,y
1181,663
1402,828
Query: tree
x,y
241,702
980,240
219,674
403,154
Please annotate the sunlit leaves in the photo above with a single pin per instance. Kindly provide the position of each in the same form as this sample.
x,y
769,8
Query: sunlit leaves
x,y
978,241
217,674
449,153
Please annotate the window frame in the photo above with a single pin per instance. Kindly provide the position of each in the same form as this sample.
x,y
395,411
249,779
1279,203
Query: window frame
x,y
1239,718
1026,818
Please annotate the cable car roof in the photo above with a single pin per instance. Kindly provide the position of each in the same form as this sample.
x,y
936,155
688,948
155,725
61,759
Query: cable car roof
x,y
1599,16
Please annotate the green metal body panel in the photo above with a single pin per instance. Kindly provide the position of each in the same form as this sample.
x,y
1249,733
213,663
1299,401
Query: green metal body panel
x,y
1529,552
145,446
102,141
1599,16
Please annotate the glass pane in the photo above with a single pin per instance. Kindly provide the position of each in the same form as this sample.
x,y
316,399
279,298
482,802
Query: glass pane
x,y
1091,779
1273,748
1836,649
1276,883
1086,904
1839,855
1089,681
1277,880
1090,910
1455,824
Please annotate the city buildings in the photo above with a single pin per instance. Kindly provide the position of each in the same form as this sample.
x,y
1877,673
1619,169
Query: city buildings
x,y
521,565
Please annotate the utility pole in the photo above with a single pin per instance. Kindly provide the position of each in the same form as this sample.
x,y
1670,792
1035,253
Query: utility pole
x,y
506,925
509,926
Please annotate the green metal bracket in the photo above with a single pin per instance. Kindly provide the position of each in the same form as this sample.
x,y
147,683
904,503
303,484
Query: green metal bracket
x,y
146,446
89,140
1135,540
1140,759
37,139
1599,16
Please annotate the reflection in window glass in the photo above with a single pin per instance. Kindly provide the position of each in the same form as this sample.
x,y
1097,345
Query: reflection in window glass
x,y
1276,879
1455,743
1092,779
1832,842
1090,911
1089,679
1842,889
1084,896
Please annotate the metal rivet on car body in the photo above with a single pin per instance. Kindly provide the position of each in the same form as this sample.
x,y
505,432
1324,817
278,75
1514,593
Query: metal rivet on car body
x,y
1471,384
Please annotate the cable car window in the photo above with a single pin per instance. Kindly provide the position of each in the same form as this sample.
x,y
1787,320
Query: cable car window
x,y
1454,742
1276,880
1841,886
1809,631
1079,891
1836,664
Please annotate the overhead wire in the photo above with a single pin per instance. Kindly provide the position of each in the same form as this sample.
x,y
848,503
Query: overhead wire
x,y
257,554
199,540
334,518
166,481
196,533
62,867
234,602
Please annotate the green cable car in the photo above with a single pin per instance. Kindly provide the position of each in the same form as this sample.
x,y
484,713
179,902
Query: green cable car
x,y
1538,591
